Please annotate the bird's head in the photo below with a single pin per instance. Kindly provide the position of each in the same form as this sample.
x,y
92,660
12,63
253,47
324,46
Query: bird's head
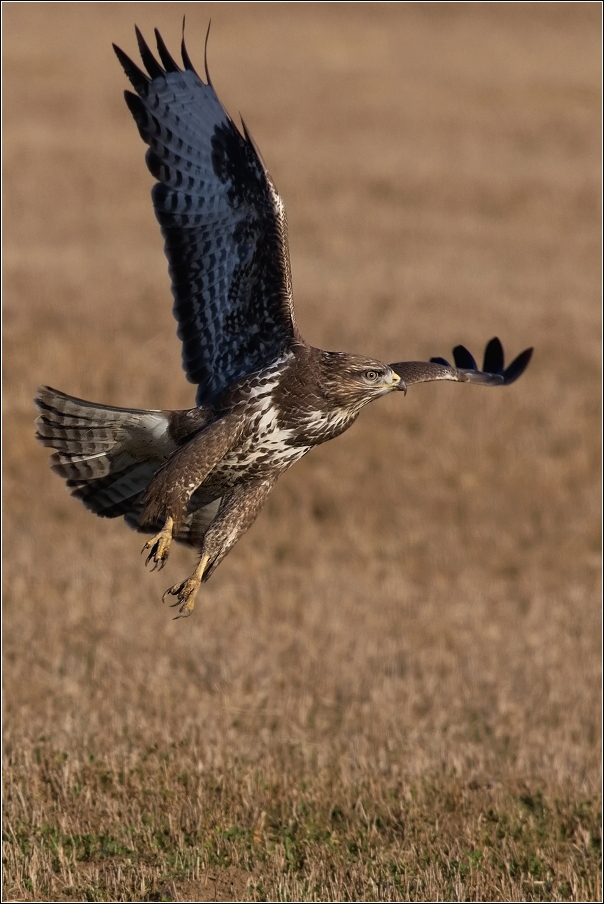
x,y
353,381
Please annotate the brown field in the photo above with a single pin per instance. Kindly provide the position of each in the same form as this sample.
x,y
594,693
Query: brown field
x,y
390,690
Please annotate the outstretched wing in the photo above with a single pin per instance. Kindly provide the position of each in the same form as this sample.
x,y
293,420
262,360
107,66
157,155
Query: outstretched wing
x,y
223,222
466,370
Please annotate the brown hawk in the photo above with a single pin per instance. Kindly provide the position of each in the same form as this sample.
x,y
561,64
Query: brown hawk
x,y
264,396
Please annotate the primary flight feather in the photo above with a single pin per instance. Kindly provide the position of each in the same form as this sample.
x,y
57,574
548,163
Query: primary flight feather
x,y
264,396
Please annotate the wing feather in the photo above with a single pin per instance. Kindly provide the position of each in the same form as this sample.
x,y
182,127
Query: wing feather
x,y
223,222
466,370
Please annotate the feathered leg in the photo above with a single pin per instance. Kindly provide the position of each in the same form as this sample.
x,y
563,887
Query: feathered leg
x,y
168,494
238,511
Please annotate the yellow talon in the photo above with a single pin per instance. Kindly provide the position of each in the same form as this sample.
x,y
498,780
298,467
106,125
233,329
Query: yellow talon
x,y
159,546
187,591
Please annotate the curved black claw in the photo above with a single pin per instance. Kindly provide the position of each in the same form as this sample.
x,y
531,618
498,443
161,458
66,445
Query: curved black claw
x,y
185,594
172,591
158,552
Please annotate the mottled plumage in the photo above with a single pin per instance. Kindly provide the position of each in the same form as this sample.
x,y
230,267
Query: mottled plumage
x,y
264,396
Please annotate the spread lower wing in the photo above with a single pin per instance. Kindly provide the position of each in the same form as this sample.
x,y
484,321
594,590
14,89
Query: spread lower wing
x,y
223,222
466,370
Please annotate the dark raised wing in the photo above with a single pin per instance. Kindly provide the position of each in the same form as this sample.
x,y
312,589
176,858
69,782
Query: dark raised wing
x,y
223,222
493,372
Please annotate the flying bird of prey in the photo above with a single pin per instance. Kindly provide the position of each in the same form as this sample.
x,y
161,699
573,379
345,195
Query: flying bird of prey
x,y
265,397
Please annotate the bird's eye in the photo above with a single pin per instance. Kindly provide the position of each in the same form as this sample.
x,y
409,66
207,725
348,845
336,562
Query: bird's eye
x,y
371,375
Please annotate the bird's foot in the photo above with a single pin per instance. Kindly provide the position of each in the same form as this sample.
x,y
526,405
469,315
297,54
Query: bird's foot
x,y
159,546
186,592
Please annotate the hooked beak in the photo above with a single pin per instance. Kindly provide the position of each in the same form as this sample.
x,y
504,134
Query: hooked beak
x,y
398,383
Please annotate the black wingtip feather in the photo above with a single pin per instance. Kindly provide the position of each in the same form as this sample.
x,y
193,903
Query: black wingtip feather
x,y
138,79
169,62
151,64
517,367
205,53
186,59
137,108
493,363
463,359
493,357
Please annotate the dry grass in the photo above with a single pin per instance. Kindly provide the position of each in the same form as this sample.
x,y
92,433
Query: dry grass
x,y
391,688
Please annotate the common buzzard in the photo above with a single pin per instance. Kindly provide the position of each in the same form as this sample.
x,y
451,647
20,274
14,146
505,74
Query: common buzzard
x,y
264,396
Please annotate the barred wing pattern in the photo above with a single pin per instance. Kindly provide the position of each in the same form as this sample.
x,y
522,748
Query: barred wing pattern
x,y
223,222
108,455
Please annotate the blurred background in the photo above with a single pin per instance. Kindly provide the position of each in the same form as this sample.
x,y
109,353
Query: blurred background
x,y
421,594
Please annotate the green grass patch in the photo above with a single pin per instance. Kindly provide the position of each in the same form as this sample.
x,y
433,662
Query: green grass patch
x,y
294,837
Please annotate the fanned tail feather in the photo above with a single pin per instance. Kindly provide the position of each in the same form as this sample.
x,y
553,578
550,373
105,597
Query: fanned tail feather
x,y
106,455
